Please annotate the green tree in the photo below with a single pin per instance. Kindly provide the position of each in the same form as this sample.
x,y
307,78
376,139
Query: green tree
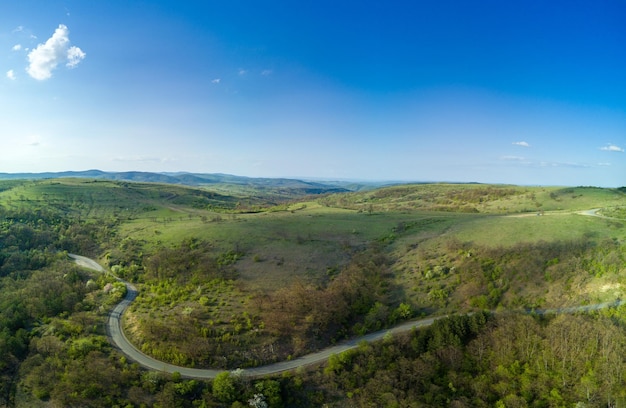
x,y
224,387
270,390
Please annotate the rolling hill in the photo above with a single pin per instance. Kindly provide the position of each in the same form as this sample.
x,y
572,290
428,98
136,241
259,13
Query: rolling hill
x,y
226,181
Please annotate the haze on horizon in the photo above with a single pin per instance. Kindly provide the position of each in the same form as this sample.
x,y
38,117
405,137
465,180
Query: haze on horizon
x,y
495,92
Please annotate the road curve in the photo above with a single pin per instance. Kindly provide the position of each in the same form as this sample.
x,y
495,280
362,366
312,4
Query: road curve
x,y
116,334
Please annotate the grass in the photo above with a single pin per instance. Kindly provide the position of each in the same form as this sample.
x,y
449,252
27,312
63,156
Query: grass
x,y
510,230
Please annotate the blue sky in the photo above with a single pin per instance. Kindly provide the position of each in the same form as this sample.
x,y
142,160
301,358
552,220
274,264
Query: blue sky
x,y
522,92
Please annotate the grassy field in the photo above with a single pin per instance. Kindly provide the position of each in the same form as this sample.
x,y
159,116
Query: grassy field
x,y
512,229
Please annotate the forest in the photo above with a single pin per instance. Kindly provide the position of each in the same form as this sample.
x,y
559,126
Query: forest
x,y
223,287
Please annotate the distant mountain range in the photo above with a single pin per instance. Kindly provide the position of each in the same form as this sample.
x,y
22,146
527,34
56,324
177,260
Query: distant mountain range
x,y
200,179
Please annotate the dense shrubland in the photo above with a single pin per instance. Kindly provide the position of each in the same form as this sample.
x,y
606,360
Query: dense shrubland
x,y
359,299
460,275
192,312
480,361
40,291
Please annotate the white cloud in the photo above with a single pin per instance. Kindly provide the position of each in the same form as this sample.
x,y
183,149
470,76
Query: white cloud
x,y
266,72
11,75
74,56
17,47
46,57
216,81
513,158
612,148
566,164
523,144
522,161
242,71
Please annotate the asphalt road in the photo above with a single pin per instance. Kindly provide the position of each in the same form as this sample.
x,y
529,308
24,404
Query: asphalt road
x,y
116,334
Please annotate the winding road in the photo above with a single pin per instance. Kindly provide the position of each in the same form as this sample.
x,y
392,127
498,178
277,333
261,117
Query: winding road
x,y
116,334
